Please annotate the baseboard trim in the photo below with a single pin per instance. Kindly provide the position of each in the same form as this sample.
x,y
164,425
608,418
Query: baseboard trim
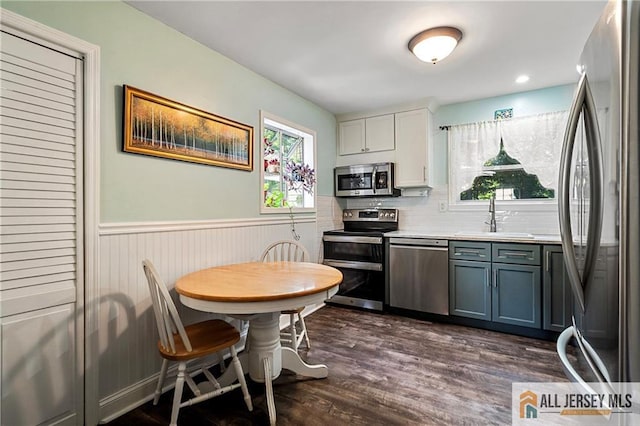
x,y
142,392
130,397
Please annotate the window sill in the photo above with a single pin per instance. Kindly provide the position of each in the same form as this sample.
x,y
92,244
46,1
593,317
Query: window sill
x,y
526,206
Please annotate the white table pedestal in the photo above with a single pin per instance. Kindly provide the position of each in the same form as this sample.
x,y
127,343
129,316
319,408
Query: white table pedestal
x,y
258,292
264,358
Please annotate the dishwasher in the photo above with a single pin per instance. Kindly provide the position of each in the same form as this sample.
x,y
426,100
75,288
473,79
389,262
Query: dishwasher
x,y
419,274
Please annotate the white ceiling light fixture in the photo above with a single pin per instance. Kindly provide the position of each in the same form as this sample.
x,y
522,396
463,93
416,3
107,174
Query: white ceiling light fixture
x,y
522,79
435,44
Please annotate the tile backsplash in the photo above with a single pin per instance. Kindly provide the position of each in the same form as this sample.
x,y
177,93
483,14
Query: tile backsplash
x,y
424,213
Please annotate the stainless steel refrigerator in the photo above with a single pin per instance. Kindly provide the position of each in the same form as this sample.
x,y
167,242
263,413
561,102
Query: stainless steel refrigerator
x,y
599,211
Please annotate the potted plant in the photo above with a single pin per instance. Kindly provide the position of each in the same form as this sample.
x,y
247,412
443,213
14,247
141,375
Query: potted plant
x,y
275,198
273,165
299,176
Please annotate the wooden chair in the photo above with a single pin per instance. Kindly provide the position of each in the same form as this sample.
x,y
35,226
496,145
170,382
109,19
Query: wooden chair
x,y
293,252
183,344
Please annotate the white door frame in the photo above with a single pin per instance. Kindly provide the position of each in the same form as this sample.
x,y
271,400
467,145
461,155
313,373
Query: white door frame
x,y
91,56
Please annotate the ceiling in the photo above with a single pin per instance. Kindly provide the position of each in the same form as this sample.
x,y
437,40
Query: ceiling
x,y
349,56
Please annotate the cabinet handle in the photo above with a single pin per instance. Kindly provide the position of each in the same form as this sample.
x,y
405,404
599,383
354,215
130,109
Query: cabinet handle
x,y
366,149
514,254
547,261
362,149
495,278
467,251
488,278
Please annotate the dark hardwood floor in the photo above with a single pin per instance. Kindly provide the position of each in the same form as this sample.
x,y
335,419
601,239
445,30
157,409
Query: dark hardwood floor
x,y
384,370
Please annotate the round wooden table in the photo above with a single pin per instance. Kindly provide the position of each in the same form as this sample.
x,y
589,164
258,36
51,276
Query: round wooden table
x,y
258,291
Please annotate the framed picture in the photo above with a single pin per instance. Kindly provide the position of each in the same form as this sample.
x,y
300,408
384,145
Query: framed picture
x,y
160,127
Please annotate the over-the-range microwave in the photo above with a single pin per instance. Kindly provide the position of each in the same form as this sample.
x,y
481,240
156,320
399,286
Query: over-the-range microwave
x,y
365,180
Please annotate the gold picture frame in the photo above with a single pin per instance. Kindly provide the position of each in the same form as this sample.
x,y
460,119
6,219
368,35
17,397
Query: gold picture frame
x,y
160,127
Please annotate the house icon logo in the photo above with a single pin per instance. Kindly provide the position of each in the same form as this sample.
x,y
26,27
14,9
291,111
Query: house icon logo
x,y
528,405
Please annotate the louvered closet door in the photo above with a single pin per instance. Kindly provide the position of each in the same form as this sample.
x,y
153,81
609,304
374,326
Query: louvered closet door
x,y
40,234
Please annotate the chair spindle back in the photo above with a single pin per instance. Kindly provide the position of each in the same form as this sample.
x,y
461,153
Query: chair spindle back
x,y
167,318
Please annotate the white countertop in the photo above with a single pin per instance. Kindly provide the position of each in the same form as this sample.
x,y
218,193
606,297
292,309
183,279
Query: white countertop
x,y
508,237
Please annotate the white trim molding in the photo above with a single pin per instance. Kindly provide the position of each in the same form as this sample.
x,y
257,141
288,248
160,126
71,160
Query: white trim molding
x,y
192,225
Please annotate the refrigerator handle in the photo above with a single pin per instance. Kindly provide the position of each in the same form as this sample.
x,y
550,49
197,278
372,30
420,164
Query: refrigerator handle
x,y
593,360
582,102
564,193
596,185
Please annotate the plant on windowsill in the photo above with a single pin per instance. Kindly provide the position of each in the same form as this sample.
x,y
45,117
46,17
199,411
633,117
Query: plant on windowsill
x,y
272,166
271,159
275,198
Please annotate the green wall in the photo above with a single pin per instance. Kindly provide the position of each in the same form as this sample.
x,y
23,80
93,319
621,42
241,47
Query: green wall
x,y
551,99
144,53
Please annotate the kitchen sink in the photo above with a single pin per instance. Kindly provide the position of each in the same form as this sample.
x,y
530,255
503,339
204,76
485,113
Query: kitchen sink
x,y
485,234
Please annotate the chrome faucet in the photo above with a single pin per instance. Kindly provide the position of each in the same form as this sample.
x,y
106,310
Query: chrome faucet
x,y
492,210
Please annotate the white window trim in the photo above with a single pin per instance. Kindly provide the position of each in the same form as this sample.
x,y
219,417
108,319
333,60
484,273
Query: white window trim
x,y
503,205
295,129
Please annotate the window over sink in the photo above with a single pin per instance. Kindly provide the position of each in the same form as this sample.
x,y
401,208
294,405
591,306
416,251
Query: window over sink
x,y
514,160
288,179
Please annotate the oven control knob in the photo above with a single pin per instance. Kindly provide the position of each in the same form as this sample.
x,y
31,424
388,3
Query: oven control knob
x,y
392,215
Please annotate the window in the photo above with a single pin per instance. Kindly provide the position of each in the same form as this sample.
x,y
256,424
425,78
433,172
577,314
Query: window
x,y
288,165
512,160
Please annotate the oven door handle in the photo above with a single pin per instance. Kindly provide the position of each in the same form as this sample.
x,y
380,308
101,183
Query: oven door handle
x,y
353,265
352,239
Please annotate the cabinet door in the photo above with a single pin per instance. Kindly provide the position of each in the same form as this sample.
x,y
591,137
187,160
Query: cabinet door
x,y
379,133
556,291
470,289
412,131
516,295
351,137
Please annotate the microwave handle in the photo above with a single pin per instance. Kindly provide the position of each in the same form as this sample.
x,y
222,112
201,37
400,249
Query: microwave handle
x,y
374,178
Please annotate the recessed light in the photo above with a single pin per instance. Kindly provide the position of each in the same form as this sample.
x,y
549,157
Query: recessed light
x,y
522,79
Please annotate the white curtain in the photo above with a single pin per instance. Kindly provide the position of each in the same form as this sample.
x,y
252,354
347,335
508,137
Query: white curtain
x,y
535,141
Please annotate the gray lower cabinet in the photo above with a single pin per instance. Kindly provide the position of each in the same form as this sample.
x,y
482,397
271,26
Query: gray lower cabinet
x,y
470,289
516,295
502,285
556,291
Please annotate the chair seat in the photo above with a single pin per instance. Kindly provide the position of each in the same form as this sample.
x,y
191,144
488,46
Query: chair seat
x,y
206,337
183,344
293,311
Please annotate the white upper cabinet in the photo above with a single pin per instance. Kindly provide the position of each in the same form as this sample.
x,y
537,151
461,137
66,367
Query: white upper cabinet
x,y
351,137
379,133
412,137
398,134
371,134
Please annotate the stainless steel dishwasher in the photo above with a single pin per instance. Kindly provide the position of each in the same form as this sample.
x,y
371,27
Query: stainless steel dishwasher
x,y
419,274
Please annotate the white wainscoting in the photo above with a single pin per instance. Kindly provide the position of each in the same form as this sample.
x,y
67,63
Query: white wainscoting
x,y
128,359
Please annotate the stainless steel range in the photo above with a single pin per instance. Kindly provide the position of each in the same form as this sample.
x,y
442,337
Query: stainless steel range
x,y
358,252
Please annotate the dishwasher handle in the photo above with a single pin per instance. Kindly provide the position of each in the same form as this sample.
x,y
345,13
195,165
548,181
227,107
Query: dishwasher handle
x,y
419,242
430,248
